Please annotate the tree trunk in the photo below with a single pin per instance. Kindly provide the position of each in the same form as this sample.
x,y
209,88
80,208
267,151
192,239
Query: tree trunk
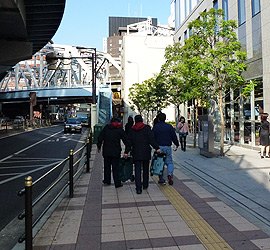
x,y
178,113
195,105
222,124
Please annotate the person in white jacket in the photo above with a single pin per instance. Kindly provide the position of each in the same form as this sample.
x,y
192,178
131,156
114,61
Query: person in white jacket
x,y
183,132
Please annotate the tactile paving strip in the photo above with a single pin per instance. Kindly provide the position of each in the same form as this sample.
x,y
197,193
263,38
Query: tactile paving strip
x,y
205,233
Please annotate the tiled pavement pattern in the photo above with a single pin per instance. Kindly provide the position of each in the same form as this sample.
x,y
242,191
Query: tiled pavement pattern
x,y
184,216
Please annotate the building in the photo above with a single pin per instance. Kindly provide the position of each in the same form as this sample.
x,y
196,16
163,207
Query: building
x,y
242,117
118,29
142,56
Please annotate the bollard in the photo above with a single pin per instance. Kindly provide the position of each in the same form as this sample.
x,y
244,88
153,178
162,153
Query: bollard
x,y
88,156
28,213
71,174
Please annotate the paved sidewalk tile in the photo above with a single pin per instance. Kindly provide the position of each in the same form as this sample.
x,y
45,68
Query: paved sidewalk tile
x,y
184,216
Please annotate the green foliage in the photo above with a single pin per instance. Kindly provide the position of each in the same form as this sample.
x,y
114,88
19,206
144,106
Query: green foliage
x,y
150,95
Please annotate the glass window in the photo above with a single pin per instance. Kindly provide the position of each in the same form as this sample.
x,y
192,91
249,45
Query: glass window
x,y
215,4
225,9
241,11
256,7
186,8
190,32
198,1
190,6
185,35
177,14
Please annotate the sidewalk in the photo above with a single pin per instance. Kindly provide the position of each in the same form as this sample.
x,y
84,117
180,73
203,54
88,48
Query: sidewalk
x,y
190,215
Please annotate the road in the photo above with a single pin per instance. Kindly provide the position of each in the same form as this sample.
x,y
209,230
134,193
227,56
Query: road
x,y
31,153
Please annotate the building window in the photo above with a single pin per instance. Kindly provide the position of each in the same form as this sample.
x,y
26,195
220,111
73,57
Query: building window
x,y
198,1
190,32
177,14
215,4
185,35
241,11
256,7
186,8
225,9
190,6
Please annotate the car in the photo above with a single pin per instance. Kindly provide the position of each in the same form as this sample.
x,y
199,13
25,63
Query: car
x,y
73,125
19,120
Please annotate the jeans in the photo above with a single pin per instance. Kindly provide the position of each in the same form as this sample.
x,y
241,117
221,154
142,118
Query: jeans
x,y
183,141
139,165
169,162
111,162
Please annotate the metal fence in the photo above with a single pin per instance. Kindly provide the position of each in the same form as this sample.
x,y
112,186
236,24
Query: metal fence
x,y
27,192
7,125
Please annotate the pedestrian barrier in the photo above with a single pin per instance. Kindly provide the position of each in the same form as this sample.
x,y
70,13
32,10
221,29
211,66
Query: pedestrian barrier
x,y
27,192
23,125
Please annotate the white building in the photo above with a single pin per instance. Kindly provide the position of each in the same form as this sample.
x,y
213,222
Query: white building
x,y
142,57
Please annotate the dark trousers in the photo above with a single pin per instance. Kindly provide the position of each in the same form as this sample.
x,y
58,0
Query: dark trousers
x,y
139,166
111,162
183,142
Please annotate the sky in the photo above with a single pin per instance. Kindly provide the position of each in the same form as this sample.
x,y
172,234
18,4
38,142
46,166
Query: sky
x,y
86,22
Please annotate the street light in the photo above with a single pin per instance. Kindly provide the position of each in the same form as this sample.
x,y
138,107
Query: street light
x,y
137,69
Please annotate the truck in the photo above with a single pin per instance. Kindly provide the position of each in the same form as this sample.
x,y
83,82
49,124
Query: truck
x,y
83,113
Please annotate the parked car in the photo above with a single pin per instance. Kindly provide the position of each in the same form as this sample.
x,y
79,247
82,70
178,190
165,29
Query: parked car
x,y
19,120
73,125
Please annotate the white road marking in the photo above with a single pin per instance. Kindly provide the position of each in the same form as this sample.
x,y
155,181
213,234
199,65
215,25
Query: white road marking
x,y
22,150
9,174
27,173
23,166
31,160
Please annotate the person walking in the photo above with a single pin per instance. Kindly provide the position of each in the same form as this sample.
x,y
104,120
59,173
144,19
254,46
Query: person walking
x,y
183,132
110,137
141,138
165,135
264,136
129,125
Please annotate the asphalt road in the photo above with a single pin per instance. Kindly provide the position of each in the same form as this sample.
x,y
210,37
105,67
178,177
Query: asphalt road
x,y
31,153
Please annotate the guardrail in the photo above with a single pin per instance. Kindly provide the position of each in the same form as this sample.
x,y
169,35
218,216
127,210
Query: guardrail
x,y
13,124
29,184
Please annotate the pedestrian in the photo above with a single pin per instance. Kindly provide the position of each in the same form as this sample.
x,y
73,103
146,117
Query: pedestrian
x,y
110,137
156,120
129,125
264,136
141,138
183,132
165,135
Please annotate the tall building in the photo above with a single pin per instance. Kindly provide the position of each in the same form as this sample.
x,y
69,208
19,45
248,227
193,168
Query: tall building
x,y
142,56
253,33
118,29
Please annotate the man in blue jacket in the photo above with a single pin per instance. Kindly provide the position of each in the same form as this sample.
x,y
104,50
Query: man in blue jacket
x,y
165,135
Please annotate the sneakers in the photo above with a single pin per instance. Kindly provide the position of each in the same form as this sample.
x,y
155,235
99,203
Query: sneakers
x,y
118,186
170,180
106,183
162,182
138,190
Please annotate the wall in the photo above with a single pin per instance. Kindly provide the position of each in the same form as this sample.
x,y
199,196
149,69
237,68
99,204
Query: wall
x,y
142,57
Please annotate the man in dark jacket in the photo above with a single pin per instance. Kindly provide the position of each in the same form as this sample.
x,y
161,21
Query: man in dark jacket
x,y
165,135
141,137
110,136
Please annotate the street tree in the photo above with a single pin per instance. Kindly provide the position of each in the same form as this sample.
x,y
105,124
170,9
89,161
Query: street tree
x,y
222,57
